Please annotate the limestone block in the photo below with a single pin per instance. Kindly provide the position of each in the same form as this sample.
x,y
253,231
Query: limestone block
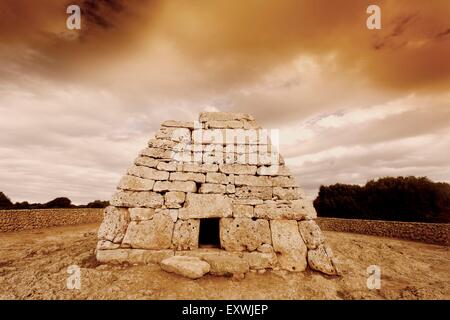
x,y
174,199
190,267
225,265
146,161
261,260
114,225
167,166
224,116
294,210
130,199
148,173
231,124
174,134
135,183
195,167
287,193
139,214
212,188
249,192
183,186
284,182
230,188
216,177
251,202
274,170
237,169
187,176
320,259
185,234
107,245
158,153
256,181
206,206
311,234
179,124
288,244
251,124
162,144
172,213
243,211
150,234
239,234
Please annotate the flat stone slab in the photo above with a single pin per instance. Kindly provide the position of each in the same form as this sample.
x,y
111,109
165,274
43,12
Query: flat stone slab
x,y
190,267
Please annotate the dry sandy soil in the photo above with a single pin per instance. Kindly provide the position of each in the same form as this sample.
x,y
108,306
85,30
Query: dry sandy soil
x,y
33,265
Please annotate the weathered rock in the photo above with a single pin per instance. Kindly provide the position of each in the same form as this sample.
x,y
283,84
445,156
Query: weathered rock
x,y
226,264
286,193
187,176
179,124
248,192
216,177
162,144
237,169
311,234
190,267
172,213
148,173
139,214
185,234
239,234
158,153
114,225
243,211
292,210
167,166
107,245
288,244
212,188
182,186
260,260
251,202
206,206
174,134
256,181
274,170
195,167
135,183
320,259
137,199
284,182
150,234
146,161
224,116
230,188
231,124
174,199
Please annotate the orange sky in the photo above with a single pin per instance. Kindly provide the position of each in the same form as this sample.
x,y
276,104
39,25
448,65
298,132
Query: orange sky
x,y
351,103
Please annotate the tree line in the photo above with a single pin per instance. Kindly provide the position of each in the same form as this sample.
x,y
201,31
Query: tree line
x,y
416,199
60,202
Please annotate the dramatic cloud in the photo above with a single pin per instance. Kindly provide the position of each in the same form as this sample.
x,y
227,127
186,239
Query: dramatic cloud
x,y
352,104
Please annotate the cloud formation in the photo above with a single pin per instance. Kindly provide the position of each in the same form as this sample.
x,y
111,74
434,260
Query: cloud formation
x,y
352,104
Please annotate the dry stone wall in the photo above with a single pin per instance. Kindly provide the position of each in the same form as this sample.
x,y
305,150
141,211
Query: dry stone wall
x,y
16,220
223,166
436,233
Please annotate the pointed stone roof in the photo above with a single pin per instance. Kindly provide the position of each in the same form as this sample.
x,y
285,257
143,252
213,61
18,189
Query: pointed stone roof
x,y
224,166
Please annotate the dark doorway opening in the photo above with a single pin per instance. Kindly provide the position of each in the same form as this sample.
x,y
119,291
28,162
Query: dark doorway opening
x,y
209,233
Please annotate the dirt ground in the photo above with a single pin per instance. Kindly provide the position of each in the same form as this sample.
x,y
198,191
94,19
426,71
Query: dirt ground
x,y
33,265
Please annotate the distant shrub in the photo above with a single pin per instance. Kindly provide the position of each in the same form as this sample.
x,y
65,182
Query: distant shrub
x,y
5,202
60,202
400,198
98,204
